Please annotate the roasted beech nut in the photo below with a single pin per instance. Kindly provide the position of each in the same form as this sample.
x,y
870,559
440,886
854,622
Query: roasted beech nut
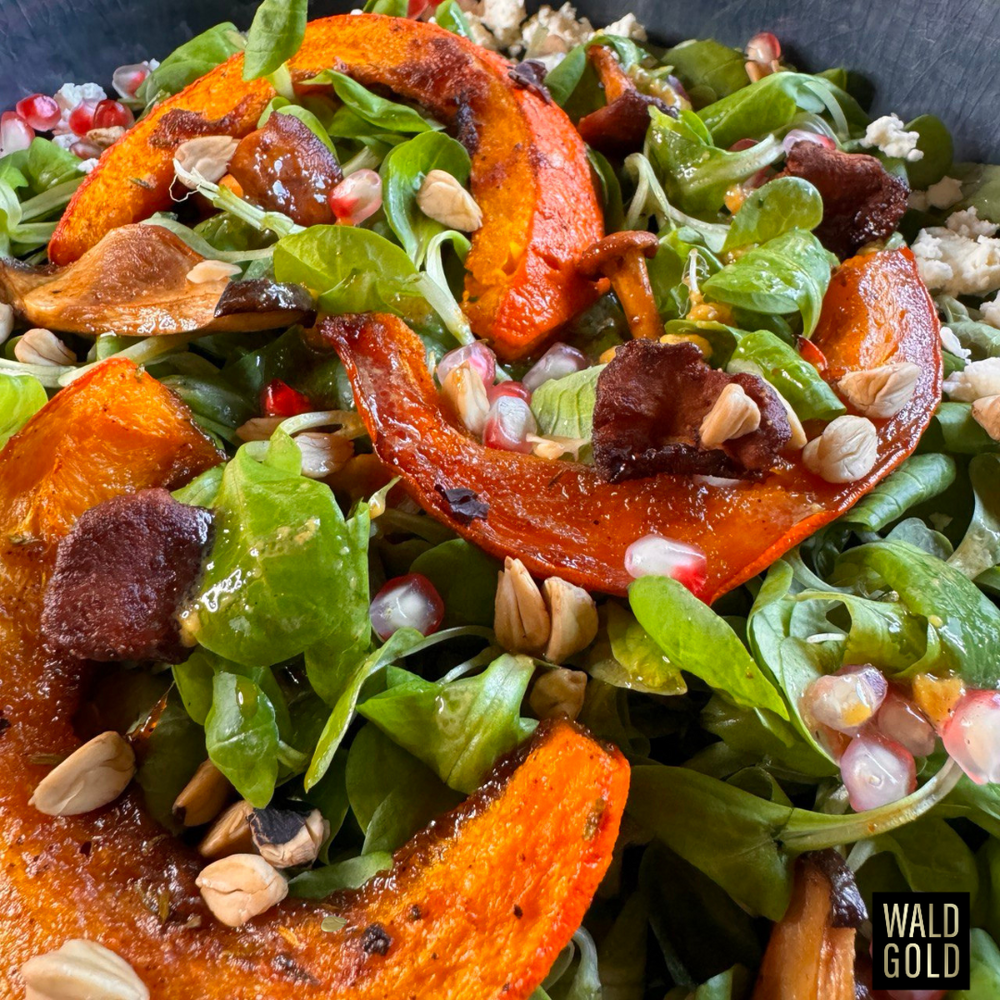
x,y
654,401
91,777
203,797
120,577
230,833
238,888
81,969
862,202
287,837
285,167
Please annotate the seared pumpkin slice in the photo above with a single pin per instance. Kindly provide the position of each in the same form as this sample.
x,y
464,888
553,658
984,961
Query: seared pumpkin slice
x,y
529,166
440,925
561,519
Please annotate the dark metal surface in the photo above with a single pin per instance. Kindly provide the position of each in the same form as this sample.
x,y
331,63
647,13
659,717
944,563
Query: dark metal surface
x,y
937,56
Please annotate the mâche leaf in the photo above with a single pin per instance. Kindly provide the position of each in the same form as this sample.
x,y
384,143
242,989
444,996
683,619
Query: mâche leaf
x,y
275,36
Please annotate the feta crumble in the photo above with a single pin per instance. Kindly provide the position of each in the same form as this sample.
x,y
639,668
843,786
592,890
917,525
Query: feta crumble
x,y
990,312
628,27
960,258
888,134
976,380
944,194
551,33
502,18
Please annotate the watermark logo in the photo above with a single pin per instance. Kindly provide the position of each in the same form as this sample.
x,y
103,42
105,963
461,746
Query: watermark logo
x,y
920,941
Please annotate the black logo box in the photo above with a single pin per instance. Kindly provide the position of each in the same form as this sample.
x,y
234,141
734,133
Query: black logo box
x,y
920,941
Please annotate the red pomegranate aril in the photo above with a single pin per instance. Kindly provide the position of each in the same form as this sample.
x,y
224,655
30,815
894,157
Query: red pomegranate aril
x,y
902,721
846,700
509,388
654,555
81,118
416,7
112,114
15,133
876,771
797,135
972,736
558,361
356,197
763,48
128,79
409,601
278,399
741,144
40,111
508,424
479,357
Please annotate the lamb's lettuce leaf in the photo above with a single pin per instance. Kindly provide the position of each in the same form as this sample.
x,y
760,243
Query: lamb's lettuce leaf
x,y
190,61
275,36
21,396
772,210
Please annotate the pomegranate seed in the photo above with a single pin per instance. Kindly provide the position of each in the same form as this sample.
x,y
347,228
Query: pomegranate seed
x,y
797,135
356,197
81,118
741,144
902,721
406,602
112,114
846,700
477,354
280,400
128,79
763,48
972,735
653,555
416,7
40,112
86,150
876,771
516,389
15,133
811,353
508,424
558,361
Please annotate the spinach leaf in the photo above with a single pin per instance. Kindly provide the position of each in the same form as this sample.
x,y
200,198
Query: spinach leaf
x,y
955,430
694,638
696,173
458,728
283,559
241,732
449,16
403,172
466,579
564,407
377,111
935,143
979,550
772,210
630,658
21,397
931,856
190,61
708,69
787,275
275,36
984,982
351,873
919,478
980,188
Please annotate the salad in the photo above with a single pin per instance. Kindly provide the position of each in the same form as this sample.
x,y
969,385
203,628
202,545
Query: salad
x,y
492,507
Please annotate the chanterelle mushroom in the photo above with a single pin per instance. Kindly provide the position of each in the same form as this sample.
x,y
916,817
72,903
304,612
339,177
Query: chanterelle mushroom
x,y
621,258
135,282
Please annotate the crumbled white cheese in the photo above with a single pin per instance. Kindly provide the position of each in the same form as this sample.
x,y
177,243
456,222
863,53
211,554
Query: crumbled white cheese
x,y
990,312
956,264
503,19
551,33
953,345
976,380
944,194
65,139
628,27
967,223
69,95
888,134
481,35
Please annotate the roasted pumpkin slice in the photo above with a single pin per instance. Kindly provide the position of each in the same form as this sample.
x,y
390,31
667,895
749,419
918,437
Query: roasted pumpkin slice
x,y
445,925
530,173
562,519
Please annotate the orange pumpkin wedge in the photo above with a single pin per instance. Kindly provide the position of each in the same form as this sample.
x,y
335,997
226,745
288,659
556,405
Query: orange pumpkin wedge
x,y
547,819
561,519
530,173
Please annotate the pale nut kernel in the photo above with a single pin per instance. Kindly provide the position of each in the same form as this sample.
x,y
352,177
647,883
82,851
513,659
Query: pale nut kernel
x,y
81,970
573,614
203,797
102,138
558,694
798,439
986,412
845,451
553,448
205,156
521,619
42,347
443,199
286,839
463,387
6,321
238,888
90,777
883,391
212,270
229,834
732,415
323,454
